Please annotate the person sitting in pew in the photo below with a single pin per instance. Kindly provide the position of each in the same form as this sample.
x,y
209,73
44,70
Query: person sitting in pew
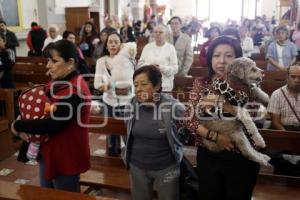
x,y
7,60
153,152
284,105
66,154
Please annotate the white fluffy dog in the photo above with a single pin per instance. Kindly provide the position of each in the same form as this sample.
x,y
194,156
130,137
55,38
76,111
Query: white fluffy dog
x,y
241,128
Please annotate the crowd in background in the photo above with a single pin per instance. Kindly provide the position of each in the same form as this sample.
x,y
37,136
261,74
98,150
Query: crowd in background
x,y
120,79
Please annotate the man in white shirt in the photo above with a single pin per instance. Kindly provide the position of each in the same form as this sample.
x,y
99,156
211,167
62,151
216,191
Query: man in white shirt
x,y
161,54
182,44
283,117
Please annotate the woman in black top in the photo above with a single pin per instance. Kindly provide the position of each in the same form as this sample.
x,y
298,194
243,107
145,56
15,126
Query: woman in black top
x,y
7,60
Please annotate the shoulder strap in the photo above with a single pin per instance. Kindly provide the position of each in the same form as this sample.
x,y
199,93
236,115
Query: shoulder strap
x,y
290,105
107,67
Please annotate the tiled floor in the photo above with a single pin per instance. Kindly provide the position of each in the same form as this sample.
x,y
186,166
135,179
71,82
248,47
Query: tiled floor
x,y
28,173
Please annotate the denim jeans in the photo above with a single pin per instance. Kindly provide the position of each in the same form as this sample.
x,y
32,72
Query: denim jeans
x,y
67,183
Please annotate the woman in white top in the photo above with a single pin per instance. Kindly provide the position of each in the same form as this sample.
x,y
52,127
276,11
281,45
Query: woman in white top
x,y
113,77
114,71
246,42
163,55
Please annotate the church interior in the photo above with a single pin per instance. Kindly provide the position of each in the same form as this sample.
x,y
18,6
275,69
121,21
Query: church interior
x,y
150,99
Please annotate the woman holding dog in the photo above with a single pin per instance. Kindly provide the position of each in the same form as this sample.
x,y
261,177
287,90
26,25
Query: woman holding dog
x,y
66,154
113,77
226,174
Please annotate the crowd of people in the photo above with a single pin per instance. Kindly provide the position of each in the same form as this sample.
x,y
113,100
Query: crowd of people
x,y
152,150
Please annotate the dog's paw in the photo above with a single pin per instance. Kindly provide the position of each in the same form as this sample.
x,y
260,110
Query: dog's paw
x,y
264,160
260,143
258,139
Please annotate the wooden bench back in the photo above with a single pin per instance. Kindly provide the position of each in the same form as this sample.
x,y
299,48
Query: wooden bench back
x,y
183,83
269,86
198,71
7,109
262,64
196,60
30,69
258,56
275,75
282,140
13,191
35,60
106,125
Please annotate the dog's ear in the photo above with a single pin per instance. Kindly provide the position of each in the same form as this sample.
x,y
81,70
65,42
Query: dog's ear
x,y
237,69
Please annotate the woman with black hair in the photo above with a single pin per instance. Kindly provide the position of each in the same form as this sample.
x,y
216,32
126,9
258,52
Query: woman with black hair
x,y
66,154
225,174
153,152
99,45
7,60
212,34
113,77
82,65
89,35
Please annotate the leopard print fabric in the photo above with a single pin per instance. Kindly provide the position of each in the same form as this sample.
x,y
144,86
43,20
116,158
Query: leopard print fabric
x,y
236,98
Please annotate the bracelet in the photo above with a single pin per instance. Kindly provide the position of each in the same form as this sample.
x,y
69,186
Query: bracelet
x,y
212,136
208,135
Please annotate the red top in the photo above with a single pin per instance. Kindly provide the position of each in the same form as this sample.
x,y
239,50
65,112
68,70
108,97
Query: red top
x,y
29,39
67,152
195,95
203,52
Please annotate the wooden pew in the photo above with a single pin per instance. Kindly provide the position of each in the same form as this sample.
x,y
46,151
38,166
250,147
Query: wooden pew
x,y
275,75
260,60
282,140
269,86
115,176
183,83
198,71
140,43
258,56
287,141
196,60
30,69
36,60
33,69
7,115
262,64
13,191
106,172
